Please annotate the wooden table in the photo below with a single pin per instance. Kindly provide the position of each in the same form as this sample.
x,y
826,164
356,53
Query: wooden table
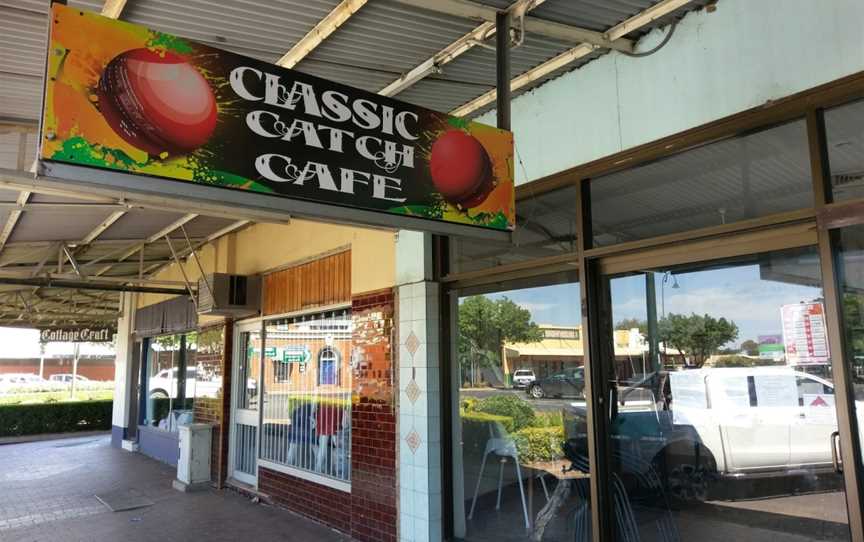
x,y
558,497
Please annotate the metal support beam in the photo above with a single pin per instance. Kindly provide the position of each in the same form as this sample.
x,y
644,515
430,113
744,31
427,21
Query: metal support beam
x,y
113,8
72,260
104,225
321,32
633,23
164,232
12,221
183,272
502,68
47,282
533,25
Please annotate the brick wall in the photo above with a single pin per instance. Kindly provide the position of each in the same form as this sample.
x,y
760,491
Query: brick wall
x,y
213,356
369,512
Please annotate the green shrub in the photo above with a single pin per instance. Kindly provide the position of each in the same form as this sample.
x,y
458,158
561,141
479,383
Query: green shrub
x,y
539,443
477,422
549,419
508,405
18,420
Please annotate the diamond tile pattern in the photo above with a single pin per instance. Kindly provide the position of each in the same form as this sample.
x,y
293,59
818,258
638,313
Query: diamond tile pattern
x,y
412,343
413,439
413,391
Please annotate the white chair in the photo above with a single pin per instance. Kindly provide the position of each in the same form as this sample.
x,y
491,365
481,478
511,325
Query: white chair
x,y
503,447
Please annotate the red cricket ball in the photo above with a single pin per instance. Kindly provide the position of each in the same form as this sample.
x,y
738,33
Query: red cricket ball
x,y
157,102
461,169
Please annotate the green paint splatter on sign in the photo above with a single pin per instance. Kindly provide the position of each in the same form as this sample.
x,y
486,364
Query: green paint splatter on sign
x,y
158,40
80,151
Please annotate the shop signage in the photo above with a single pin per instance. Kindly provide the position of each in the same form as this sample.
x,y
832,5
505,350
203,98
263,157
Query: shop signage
x,y
771,347
804,334
92,334
297,354
125,98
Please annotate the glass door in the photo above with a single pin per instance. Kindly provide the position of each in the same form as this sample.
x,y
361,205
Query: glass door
x,y
243,451
722,422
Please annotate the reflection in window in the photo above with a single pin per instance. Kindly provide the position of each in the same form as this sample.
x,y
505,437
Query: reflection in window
x,y
750,176
545,226
307,395
521,474
850,249
171,379
844,131
722,412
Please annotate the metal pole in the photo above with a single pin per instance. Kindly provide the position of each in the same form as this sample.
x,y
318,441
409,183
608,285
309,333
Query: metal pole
x,y
502,68
76,350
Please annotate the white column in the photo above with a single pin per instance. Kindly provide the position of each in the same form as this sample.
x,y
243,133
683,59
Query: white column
x,y
419,390
124,395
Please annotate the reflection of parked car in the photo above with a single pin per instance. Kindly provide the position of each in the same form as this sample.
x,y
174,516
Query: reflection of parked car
x,y
522,378
67,378
730,422
11,380
164,383
570,383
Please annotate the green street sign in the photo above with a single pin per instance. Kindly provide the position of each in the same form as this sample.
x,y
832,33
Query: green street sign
x,y
270,352
296,354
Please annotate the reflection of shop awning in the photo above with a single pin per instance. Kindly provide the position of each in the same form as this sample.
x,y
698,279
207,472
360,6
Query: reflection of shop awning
x,y
563,348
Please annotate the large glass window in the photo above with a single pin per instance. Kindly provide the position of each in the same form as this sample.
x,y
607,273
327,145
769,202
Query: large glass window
x,y
722,402
170,381
307,394
844,130
545,226
520,473
850,260
745,177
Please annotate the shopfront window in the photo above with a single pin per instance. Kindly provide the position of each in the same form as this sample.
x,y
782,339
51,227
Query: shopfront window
x,y
722,402
844,132
545,226
171,379
850,266
307,394
521,471
735,179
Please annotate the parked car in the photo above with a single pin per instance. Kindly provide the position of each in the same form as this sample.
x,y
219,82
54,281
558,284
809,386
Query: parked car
x,y
699,426
67,378
522,378
10,381
570,383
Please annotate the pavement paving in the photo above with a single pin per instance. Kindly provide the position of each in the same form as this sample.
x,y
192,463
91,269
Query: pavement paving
x,y
48,488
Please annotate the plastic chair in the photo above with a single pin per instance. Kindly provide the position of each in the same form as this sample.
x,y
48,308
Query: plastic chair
x,y
503,447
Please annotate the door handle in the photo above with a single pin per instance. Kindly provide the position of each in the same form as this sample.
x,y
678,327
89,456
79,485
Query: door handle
x,y
836,461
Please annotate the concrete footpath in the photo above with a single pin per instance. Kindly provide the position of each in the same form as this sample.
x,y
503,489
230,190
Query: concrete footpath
x,y
48,488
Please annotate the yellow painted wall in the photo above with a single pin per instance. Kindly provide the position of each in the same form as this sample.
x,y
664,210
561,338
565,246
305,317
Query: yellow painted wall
x,y
263,247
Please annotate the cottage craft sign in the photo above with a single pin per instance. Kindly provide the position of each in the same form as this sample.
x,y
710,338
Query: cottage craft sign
x,y
93,334
129,99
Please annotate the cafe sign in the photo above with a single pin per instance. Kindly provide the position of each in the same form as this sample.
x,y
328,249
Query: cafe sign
x,y
93,334
125,98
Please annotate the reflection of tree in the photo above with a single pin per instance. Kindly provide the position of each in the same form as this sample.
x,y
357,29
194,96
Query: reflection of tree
x,y
750,347
853,320
633,323
485,325
698,336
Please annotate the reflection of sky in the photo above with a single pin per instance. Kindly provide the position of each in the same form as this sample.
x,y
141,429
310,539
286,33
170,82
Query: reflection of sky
x,y
556,305
735,293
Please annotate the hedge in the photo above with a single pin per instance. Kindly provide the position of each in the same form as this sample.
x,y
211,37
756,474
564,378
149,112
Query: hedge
x,y
18,420
540,443
511,406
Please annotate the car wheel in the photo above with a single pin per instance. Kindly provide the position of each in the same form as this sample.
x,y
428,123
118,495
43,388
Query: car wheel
x,y
537,392
687,479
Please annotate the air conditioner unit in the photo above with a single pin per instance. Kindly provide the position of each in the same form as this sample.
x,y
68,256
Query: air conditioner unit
x,y
229,295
